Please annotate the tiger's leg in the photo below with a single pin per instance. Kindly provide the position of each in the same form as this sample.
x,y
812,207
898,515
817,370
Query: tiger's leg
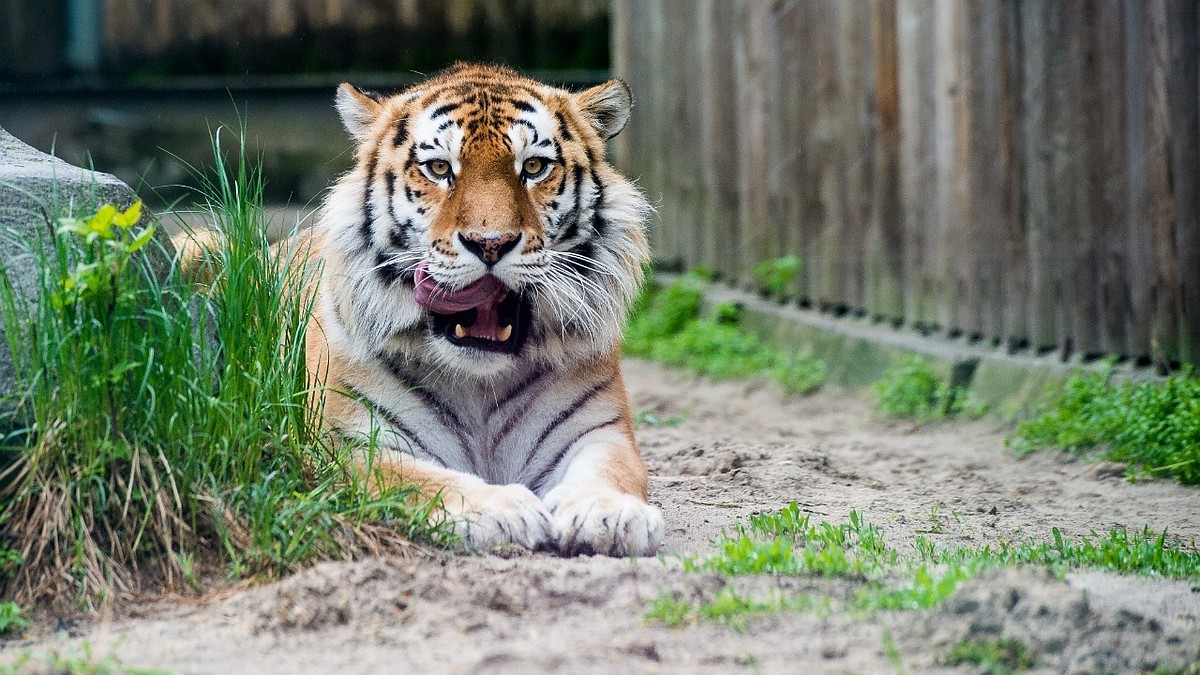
x,y
600,505
482,515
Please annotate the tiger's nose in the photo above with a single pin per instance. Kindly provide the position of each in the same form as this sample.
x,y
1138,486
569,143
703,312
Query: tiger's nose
x,y
489,247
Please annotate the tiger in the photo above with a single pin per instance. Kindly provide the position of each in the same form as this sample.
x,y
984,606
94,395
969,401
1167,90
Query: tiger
x,y
476,266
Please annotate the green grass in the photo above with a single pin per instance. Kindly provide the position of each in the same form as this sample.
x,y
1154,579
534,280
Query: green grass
x,y
788,543
995,657
774,276
1152,426
666,326
160,426
12,618
912,390
85,662
729,608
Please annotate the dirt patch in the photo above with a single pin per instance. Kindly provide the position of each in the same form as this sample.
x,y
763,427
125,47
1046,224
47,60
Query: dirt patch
x,y
1064,631
740,448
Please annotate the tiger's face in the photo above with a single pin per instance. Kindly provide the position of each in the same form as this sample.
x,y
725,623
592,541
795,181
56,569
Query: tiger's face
x,y
482,227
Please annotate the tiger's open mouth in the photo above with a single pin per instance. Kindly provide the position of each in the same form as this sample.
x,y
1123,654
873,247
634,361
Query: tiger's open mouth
x,y
484,315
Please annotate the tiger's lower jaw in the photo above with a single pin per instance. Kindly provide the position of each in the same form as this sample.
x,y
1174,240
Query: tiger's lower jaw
x,y
502,330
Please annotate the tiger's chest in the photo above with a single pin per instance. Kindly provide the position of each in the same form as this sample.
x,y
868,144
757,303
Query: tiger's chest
x,y
504,431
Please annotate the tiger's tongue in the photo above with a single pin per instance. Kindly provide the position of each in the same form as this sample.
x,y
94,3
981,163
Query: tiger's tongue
x,y
484,296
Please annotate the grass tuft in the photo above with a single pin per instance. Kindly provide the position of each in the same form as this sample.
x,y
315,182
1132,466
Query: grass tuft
x,y
666,326
1152,426
912,390
995,657
160,426
774,276
12,618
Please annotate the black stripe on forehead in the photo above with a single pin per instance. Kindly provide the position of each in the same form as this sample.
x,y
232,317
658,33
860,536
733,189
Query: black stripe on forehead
x,y
401,132
562,126
444,110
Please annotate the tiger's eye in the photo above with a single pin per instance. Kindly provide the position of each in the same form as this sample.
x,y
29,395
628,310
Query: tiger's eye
x,y
439,167
533,166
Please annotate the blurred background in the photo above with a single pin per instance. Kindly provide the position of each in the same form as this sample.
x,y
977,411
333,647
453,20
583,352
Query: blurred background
x,y
134,86
1021,175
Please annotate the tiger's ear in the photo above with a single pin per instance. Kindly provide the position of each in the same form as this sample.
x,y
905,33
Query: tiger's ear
x,y
358,109
606,106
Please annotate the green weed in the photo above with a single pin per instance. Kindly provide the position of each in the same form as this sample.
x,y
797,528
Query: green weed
x,y
155,419
893,653
774,276
911,389
996,657
666,326
1152,426
12,618
729,607
787,543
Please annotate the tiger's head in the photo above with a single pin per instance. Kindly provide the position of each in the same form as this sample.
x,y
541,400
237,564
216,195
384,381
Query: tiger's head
x,y
482,227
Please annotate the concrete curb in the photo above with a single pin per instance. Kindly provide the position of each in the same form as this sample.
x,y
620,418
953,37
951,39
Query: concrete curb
x,y
858,351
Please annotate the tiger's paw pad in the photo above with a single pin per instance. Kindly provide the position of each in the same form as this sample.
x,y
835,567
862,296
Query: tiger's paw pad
x,y
496,515
604,522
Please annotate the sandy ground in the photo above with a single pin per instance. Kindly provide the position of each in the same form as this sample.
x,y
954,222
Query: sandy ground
x,y
741,448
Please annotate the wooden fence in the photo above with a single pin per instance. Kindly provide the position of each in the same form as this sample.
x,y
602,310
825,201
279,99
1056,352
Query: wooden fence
x,y
1024,173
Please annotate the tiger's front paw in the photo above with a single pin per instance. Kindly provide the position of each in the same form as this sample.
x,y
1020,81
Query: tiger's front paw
x,y
491,515
603,521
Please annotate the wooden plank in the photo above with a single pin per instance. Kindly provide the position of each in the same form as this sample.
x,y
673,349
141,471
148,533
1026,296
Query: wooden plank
x,y
1183,24
788,178
826,161
1137,240
680,210
1110,201
1039,77
1165,275
718,136
1070,124
947,223
885,256
807,48
857,153
777,188
914,46
1015,299
755,34
975,125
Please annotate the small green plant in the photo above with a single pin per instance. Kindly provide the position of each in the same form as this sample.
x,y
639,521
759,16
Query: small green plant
x,y
666,326
937,521
911,389
1152,426
893,653
12,618
111,242
996,657
774,276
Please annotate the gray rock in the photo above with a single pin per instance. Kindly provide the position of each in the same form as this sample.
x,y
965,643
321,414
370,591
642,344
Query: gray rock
x,y
35,190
